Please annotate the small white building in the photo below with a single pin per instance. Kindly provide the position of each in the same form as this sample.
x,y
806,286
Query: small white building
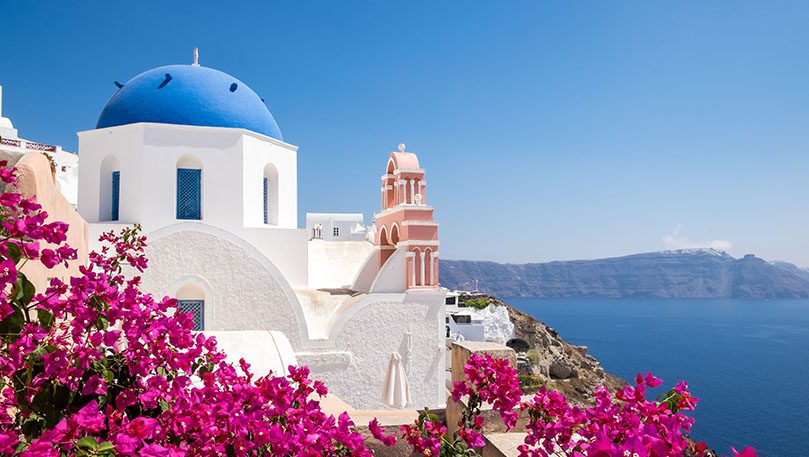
x,y
336,226
195,156
65,163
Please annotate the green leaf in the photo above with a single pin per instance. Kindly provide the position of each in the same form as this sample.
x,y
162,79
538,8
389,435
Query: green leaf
x,y
61,397
88,442
45,319
106,446
14,252
13,323
107,375
27,289
102,323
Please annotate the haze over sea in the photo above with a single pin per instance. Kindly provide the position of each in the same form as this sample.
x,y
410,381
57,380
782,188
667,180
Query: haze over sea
x,y
747,360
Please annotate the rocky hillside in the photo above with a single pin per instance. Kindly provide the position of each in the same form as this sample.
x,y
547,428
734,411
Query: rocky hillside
x,y
702,273
792,268
556,363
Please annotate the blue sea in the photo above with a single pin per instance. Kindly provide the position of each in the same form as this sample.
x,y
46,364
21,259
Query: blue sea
x,y
747,360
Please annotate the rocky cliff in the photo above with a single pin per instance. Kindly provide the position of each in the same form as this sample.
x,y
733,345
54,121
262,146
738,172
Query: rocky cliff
x,y
557,364
701,273
554,362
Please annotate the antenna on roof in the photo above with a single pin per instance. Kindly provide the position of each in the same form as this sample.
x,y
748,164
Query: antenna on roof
x,y
196,57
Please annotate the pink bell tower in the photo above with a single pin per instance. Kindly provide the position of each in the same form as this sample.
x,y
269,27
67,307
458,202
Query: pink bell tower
x,y
406,221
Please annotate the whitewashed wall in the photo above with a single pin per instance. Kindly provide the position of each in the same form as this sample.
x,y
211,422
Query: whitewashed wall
x,y
335,264
353,362
244,290
233,162
258,153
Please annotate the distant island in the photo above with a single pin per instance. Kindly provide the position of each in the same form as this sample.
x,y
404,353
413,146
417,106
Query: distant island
x,y
687,273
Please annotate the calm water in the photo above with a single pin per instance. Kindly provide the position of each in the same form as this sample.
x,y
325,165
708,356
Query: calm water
x,y
747,361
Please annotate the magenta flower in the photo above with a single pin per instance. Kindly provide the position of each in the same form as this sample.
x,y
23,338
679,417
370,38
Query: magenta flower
x,y
94,385
747,452
472,438
141,427
378,433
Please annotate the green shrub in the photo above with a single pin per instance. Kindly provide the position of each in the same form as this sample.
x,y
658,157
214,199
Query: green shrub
x,y
534,355
530,383
478,303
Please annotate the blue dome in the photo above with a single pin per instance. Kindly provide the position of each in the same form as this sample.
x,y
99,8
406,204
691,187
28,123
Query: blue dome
x,y
189,95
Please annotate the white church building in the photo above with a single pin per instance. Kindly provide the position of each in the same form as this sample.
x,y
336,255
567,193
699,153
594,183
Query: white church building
x,y
195,157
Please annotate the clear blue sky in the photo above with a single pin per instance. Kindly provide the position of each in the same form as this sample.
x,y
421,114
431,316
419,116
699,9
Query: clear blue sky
x,y
549,130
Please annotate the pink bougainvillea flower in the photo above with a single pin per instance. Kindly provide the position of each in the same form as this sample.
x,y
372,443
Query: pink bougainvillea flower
x,y
378,433
94,385
141,427
8,439
747,452
652,381
472,438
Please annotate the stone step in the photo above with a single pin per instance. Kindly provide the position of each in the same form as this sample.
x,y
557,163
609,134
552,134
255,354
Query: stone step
x,y
503,444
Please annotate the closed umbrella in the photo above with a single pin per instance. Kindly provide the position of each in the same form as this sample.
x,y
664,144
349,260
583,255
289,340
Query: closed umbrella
x,y
396,392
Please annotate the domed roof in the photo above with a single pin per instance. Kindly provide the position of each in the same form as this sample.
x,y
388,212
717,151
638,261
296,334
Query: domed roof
x,y
189,95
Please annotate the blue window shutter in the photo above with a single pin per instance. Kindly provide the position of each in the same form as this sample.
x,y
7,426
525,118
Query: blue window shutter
x,y
266,201
116,195
197,307
189,194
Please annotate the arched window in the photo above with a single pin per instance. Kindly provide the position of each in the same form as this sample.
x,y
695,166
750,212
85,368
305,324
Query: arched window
x,y
189,188
383,236
394,235
390,186
191,299
109,190
270,184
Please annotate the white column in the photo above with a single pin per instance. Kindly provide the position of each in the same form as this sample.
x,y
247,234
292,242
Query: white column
x,y
429,269
433,261
422,185
412,257
402,191
412,191
422,268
